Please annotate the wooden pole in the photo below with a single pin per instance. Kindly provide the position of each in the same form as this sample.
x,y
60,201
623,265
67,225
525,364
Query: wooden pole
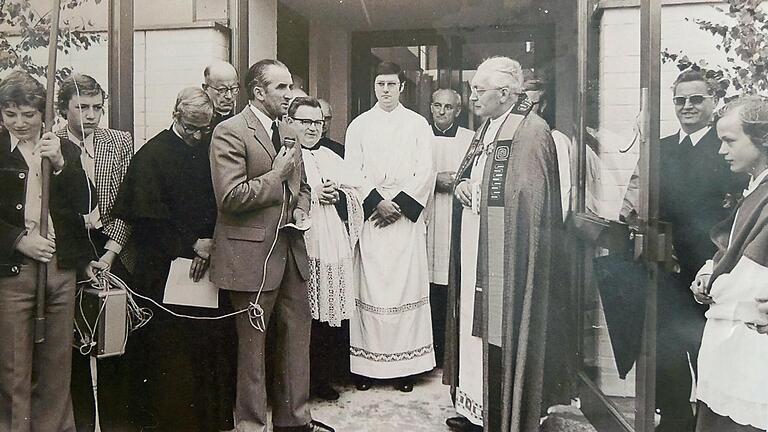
x,y
42,268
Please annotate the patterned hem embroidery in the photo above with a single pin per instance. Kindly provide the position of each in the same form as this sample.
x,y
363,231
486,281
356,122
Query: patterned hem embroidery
x,y
391,357
469,406
391,310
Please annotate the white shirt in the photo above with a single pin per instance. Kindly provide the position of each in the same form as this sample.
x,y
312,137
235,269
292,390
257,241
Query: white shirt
x,y
34,193
264,119
87,154
493,128
695,136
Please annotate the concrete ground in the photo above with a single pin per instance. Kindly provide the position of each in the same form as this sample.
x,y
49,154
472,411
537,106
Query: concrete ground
x,y
384,409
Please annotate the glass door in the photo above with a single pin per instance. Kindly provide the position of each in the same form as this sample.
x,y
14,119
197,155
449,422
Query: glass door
x,y
621,243
445,58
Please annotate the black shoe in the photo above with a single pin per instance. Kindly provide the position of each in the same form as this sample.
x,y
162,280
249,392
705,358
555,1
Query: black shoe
x,y
676,425
326,392
363,384
405,385
313,426
461,424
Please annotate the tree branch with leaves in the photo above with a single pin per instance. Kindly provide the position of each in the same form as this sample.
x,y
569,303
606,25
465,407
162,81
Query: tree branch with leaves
x,y
744,41
26,29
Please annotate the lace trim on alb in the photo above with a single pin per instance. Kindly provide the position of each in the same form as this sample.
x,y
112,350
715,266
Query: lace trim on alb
x,y
390,357
330,291
391,310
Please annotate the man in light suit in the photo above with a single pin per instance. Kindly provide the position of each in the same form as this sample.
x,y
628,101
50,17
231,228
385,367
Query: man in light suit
x,y
105,155
260,186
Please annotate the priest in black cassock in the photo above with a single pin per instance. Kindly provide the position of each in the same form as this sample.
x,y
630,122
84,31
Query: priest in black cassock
x,y
167,196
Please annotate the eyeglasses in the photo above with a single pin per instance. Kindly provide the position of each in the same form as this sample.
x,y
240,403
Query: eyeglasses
x,y
309,122
438,106
191,130
223,90
696,99
481,91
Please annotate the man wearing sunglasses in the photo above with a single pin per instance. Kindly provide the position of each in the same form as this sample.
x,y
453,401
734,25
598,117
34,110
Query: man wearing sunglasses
x,y
695,190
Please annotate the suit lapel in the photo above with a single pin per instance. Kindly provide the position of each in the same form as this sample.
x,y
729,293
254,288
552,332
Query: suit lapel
x,y
261,134
103,171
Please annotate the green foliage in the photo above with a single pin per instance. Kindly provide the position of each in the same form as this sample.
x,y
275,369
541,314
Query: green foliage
x,y
744,43
30,29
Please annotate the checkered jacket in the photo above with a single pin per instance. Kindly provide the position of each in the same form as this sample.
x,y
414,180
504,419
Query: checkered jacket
x,y
113,152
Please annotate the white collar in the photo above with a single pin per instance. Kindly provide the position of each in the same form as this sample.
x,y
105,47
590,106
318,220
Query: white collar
x,y
754,182
263,118
87,142
500,119
173,128
394,110
14,141
695,136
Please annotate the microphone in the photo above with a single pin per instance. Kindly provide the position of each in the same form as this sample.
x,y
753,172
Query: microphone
x,y
289,142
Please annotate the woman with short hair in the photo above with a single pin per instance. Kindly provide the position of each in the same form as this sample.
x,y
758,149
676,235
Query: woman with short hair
x,y
732,373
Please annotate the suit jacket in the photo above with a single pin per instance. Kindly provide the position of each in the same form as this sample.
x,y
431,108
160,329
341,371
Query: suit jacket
x,y
251,205
697,189
13,182
113,152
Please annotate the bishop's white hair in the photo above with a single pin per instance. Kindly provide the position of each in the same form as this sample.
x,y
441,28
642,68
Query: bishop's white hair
x,y
504,71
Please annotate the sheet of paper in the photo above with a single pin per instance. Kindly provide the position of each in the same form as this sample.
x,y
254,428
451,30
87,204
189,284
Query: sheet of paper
x,y
180,289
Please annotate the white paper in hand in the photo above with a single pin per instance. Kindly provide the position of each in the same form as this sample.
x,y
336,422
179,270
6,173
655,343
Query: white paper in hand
x,y
180,289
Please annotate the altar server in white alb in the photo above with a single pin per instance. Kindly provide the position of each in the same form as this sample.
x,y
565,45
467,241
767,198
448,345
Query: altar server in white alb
x,y
449,144
389,147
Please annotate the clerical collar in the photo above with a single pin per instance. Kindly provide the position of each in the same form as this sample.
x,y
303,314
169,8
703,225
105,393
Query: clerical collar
x,y
450,132
263,119
87,142
755,182
314,147
695,136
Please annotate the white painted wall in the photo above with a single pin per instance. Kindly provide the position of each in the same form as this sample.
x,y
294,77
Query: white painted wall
x,y
262,30
165,61
330,72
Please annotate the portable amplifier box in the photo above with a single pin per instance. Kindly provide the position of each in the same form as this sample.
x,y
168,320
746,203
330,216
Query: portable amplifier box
x,y
105,312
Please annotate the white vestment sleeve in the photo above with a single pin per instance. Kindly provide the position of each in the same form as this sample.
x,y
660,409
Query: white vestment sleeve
x,y
421,185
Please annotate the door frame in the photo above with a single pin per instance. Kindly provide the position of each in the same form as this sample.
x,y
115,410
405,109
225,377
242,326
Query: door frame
x,y
449,44
602,412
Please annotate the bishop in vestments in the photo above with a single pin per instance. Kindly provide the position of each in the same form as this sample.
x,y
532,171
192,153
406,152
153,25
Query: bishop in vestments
x,y
508,299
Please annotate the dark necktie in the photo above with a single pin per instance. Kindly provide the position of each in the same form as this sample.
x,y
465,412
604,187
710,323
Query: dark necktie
x,y
276,136
686,142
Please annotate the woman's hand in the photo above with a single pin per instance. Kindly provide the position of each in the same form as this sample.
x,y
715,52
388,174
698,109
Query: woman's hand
x,y
700,289
36,247
762,308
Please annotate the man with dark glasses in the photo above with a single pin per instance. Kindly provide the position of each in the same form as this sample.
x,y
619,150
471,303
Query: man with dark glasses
x,y
696,187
